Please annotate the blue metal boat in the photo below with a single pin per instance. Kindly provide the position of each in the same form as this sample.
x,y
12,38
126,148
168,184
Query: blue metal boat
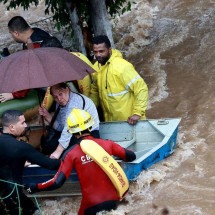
x,y
152,140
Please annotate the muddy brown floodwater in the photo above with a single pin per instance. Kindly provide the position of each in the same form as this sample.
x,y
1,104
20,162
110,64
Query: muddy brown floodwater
x,y
171,43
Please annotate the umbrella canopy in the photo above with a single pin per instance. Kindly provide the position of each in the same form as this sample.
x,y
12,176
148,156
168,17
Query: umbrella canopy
x,y
41,67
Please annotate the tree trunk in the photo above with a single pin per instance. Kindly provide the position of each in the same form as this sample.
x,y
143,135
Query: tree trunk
x,y
99,19
79,40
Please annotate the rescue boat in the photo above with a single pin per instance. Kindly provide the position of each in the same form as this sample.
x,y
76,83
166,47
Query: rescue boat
x,y
152,140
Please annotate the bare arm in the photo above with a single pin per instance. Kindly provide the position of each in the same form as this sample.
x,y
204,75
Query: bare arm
x,y
57,153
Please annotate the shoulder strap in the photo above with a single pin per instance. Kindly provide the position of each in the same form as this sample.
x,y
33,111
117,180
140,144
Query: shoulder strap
x,y
108,164
58,109
82,99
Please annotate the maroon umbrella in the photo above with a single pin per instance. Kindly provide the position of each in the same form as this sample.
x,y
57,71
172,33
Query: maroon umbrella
x,y
41,67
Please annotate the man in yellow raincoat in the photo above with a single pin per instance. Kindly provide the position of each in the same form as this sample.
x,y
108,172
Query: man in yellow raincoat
x,y
119,89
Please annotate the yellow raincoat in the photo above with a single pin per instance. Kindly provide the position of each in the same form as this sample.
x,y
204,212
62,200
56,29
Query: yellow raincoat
x,y
119,89
84,84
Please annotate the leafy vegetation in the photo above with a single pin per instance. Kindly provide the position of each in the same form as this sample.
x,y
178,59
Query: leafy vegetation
x,y
59,8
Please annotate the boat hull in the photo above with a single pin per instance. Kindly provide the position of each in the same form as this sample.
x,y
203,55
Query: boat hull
x,y
151,140
132,170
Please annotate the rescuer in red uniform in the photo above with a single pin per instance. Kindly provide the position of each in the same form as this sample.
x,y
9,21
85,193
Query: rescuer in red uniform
x,y
98,192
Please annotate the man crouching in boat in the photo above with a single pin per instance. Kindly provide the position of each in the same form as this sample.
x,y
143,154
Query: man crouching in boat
x,y
98,191
13,155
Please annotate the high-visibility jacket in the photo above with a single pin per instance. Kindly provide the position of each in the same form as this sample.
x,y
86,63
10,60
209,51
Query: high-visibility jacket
x,y
119,89
84,84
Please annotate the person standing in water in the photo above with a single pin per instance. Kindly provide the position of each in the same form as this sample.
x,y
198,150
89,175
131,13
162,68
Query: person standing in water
x,y
98,191
13,156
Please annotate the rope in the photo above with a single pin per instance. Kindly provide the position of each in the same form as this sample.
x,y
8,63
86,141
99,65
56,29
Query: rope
x,y
37,204
18,197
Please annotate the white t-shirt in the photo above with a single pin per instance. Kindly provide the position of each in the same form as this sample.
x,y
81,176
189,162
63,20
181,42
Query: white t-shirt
x,y
75,101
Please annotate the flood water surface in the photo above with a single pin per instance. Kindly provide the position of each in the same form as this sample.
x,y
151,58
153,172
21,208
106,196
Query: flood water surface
x,y
173,49
171,43
183,52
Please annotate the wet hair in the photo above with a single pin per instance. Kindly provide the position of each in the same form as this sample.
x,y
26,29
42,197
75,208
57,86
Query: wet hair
x,y
51,42
101,39
10,117
62,85
18,23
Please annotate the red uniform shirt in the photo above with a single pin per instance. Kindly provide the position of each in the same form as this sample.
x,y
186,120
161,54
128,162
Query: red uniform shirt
x,y
95,185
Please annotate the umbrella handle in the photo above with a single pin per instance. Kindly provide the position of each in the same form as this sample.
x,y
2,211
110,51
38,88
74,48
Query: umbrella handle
x,y
43,124
40,103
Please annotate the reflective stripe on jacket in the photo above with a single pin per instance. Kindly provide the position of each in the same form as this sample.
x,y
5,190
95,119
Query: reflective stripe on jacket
x,y
119,89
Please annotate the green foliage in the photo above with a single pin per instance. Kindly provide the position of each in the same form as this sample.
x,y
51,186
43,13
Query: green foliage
x,y
118,6
13,4
58,8
60,12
